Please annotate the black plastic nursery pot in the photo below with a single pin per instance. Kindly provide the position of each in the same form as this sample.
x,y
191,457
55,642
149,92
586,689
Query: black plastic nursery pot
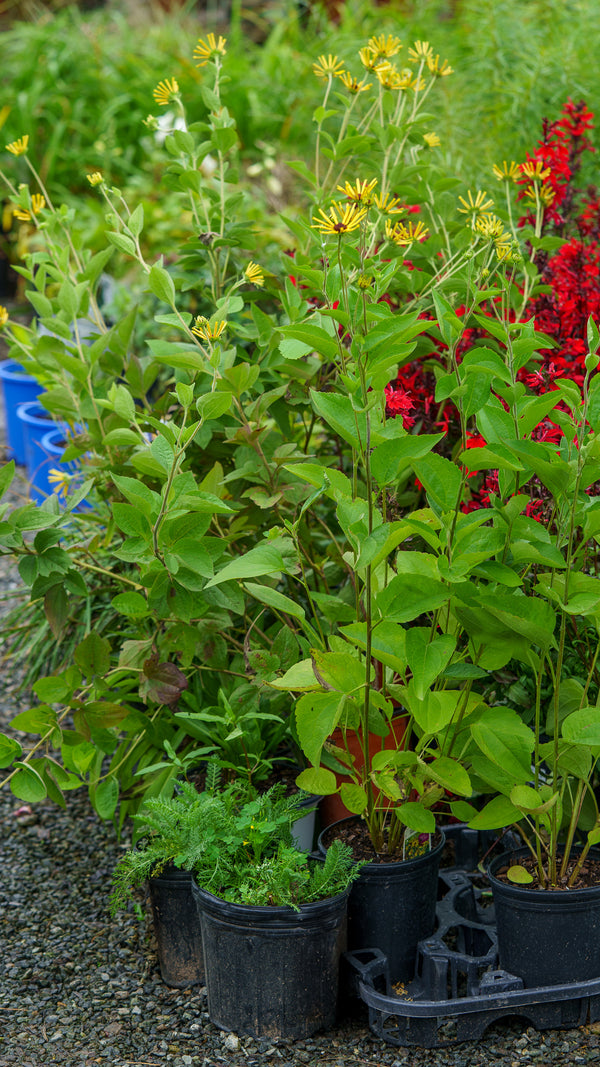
x,y
272,972
546,936
392,906
177,929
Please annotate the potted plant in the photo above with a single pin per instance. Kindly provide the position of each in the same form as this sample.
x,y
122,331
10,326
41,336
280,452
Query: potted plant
x,y
273,922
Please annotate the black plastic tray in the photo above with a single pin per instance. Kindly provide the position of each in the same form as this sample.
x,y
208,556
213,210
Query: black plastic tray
x,y
458,990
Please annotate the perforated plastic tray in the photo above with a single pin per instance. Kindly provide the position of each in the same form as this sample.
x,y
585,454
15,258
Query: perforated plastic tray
x,y
458,990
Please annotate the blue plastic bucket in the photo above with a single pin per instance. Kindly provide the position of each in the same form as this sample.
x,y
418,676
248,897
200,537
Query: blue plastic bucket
x,y
48,458
36,422
18,387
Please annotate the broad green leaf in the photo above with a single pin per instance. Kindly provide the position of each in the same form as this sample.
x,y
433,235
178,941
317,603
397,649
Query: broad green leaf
x,y
27,784
317,781
426,658
298,679
10,750
92,655
314,336
337,412
38,720
317,715
392,458
266,595
498,813
161,284
416,816
339,671
353,797
409,595
582,727
387,642
105,797
519,875
132,604
441,478
264,559
451,775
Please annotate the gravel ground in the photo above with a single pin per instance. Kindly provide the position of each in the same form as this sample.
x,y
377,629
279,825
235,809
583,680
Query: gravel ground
x,y
79,988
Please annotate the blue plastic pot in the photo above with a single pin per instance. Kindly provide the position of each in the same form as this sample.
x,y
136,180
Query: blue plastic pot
x,y
37,423
18,387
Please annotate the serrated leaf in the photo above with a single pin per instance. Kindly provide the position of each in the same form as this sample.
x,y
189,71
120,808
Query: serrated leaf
x,y
10,750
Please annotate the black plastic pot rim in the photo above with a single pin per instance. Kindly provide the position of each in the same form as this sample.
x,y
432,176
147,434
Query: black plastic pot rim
x,y
562,897
277,914
385,869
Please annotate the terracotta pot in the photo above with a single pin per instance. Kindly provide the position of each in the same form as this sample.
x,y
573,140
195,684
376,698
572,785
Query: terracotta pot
x,y
331,808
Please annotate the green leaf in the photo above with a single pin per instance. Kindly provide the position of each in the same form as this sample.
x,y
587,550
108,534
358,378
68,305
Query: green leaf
x,y
409,595
38,720
264,559
266,595
105,798
134,605
10,750
92,655
213,405
27,784
339,671
122,242
391,459
441,478
161,284
498,813
318,339
56,610
317,781
451,775
317,715
337,412
416,816
427,659
582,727
130,520
353,797
519,875
298,679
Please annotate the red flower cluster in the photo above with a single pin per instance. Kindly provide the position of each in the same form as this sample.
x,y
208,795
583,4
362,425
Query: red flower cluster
x,y
571,277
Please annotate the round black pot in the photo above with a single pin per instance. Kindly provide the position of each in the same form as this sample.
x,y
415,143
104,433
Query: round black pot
x,y
177,928
272,972
392,906
546,936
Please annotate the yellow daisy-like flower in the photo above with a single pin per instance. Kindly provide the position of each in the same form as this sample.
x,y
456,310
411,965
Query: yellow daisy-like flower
x,y
536,172
19,147
38,204
508,172
360,192
504,250
388,204
384,46
431,140
209,48
439,70
545,193
3,316
254,274
352,84
409,81
342,218
60,480
202,328
165,91
475,206
390,78
371,61
95,178
405,235
491,226
328,67
420,52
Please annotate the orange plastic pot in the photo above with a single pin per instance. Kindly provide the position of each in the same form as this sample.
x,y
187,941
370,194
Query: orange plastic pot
x,y
331,808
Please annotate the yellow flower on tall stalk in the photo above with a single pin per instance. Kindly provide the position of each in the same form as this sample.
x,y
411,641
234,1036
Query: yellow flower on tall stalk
x,y
371,61
384,46
407,80
404,235
420,52
95,178
202,328
431,140
342,218
360,192
491,226
254,274
544,193
508,172
38,204
390,78
388,204
165,91
209,48
535,171
477,205
439,70
3,316
352,84
19,147
328,67
60,480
